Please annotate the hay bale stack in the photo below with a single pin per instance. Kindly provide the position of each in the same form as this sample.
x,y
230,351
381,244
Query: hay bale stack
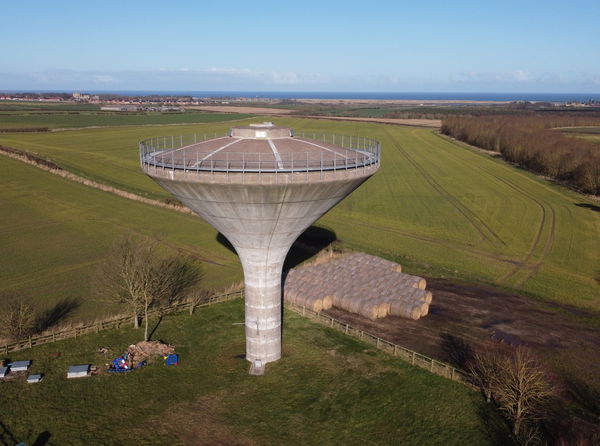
x,y
359,283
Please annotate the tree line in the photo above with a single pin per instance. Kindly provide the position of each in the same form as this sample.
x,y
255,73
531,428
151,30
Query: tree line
x,y
532,141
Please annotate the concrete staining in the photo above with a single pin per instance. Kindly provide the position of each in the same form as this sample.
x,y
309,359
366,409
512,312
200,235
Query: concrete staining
x,y
261,214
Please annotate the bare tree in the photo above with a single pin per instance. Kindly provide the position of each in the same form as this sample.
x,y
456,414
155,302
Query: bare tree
x,y
485,367
517,382
138,273
17,320
522,390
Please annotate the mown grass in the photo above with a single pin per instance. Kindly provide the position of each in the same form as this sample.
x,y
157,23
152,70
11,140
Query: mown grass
x,y
74,119
53,232
328,389
436,207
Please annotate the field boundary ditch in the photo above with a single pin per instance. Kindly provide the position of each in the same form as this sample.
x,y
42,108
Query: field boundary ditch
x,y
412,357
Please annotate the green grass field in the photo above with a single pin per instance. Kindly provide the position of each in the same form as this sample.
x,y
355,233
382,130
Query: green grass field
x,y
53,232
592,134
436,207
329,390
74,119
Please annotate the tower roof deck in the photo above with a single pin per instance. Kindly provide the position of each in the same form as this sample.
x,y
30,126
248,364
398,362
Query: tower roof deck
x,y
257,150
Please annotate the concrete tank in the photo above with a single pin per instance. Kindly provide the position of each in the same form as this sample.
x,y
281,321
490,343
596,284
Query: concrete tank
x,y
261,186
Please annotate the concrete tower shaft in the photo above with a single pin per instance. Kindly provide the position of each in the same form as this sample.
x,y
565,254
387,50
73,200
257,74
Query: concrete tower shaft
x,y
261,210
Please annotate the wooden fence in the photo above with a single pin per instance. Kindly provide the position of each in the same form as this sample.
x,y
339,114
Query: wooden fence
x,y
110,324
414,358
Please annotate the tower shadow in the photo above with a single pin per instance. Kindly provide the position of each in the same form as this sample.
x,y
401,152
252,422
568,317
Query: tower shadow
x,y
310,242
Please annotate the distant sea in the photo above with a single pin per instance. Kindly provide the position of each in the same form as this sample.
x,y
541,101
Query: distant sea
x,y
428,96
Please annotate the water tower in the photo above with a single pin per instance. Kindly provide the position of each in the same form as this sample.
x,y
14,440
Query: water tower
x,y
261,186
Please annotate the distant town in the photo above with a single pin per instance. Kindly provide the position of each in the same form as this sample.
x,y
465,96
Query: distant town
x,y
115,102
172,103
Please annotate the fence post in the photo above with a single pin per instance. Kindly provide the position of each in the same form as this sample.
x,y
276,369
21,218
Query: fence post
x,y
413,358
377,343
346,330
431,367
395,350
30,344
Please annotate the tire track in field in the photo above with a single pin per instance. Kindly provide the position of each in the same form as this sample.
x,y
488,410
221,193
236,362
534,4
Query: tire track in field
x,y
532,268
444,243
480,226
475,216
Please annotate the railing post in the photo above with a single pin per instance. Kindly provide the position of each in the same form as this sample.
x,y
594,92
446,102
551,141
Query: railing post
x,y
413,358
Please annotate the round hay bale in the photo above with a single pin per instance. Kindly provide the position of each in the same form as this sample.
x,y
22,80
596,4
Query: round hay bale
x,y
313,303
369,310
428,297
317,305
327,302
383,309
406,310
355,305
336,300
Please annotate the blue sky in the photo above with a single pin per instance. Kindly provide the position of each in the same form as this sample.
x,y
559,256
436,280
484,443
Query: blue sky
x,y
375,46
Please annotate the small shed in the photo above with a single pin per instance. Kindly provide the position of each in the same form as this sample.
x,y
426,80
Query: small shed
x,y
31,379
78,371
19,366
3,371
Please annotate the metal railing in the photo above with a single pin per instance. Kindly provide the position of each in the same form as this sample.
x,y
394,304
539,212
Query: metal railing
x,y
162,153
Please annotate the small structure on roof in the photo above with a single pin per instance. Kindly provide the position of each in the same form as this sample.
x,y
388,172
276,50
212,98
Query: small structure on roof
x,y
32,379
78,371
19,366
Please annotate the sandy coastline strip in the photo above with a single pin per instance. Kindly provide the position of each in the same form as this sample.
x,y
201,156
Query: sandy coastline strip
x,y
242,109
411,102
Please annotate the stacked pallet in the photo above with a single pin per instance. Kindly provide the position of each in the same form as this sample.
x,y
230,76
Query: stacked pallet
x,y
359,283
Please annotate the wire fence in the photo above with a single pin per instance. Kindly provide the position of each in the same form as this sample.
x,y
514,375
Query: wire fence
x,y
410,356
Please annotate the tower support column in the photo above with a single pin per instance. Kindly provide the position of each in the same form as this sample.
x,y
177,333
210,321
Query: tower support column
x,y
263,302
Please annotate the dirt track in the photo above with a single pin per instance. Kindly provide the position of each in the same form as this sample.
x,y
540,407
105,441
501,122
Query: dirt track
x,y
476,313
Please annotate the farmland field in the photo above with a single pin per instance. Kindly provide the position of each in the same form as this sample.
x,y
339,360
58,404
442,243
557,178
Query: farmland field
x,y
73,119
591,134
328,390
53,232
436,207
